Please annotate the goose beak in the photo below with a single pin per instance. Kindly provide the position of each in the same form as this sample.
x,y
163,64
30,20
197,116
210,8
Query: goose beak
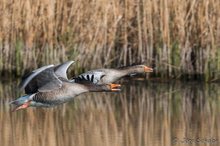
x,y
148,69
115,87
23,106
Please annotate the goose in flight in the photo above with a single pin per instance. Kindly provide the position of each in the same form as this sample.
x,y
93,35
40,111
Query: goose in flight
x,y
48,86
106,76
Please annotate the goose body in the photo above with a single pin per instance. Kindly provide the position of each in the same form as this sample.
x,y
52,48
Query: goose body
x,y
106,76
59,96
48,86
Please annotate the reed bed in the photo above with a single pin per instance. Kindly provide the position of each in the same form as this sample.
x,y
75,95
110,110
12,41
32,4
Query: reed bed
x,y
178,38
153,114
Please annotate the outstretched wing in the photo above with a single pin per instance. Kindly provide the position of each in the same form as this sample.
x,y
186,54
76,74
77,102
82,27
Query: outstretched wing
x,y
60,70
43,79
93,76
28,77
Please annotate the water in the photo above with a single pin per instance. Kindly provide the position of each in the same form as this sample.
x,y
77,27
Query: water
x,y
143,114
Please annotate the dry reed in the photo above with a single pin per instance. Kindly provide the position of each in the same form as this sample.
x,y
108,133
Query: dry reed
x,y
179,38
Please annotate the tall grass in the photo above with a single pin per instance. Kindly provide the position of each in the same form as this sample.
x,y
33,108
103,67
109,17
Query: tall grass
x,y
179,38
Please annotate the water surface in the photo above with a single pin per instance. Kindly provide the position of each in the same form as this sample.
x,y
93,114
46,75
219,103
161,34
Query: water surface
x,y
143,114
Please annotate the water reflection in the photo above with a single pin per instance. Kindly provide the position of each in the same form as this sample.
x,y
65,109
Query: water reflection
x,y
142,114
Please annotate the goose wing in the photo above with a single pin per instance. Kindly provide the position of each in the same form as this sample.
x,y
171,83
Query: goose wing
x,y
43,79
28,77
60,70
93,76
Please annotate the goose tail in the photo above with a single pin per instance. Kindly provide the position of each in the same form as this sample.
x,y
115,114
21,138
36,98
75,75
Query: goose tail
x,y
22,102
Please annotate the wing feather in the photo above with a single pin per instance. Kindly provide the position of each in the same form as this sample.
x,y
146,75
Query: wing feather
x,y
61,69
26,79
43,79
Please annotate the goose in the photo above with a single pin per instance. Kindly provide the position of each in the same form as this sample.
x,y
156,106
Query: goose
x,y
106,76
48,86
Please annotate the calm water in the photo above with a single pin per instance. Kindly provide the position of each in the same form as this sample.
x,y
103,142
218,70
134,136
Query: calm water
x,y
143,114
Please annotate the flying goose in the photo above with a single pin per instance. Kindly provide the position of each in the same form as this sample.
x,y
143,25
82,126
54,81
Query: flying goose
x,y
106,76
48,86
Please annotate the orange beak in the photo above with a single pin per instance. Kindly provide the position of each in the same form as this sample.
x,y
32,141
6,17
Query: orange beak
x,y
115,87
23,106
148,69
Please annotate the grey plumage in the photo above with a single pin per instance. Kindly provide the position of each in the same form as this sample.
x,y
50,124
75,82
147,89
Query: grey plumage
x,y
105,76
26,79
49,86
45,78
60,70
